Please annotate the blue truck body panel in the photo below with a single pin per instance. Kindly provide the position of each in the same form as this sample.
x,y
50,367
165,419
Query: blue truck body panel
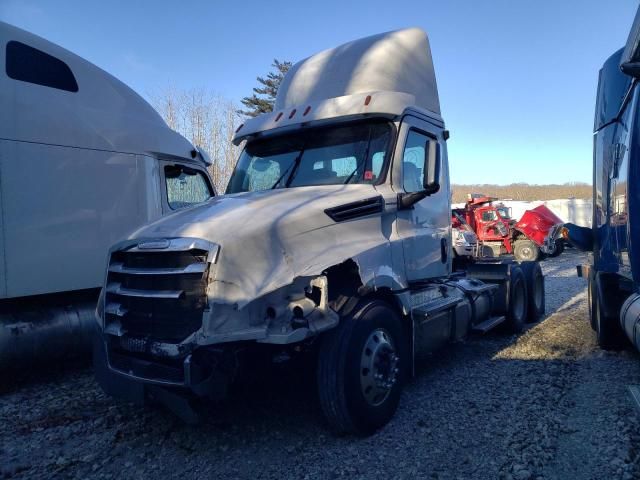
x,y
615,154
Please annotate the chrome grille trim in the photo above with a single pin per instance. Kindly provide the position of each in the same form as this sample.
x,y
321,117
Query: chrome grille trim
x,y
193,268
157,288
117,289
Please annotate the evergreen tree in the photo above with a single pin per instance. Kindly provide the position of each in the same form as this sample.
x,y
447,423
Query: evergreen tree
x,y
264,96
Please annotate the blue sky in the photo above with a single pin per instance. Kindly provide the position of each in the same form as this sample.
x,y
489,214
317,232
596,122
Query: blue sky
x,y
517,78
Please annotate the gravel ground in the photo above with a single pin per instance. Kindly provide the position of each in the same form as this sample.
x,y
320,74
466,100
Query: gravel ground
x,y
547,404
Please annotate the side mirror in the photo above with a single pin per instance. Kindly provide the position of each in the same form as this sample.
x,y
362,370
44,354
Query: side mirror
x,y
431,181
431,178
631,68
204,156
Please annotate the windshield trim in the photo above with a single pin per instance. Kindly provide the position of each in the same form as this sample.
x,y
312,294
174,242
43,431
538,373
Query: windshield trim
x,y
393,135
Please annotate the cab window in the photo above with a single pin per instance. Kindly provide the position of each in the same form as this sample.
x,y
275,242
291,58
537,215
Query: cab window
x,y
413,160
186,186
31,65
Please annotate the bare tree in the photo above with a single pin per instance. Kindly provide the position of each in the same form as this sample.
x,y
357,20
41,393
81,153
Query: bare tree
x,y
206,119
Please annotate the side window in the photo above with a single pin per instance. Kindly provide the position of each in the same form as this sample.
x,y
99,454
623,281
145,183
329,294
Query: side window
x,y
185,186
489,216
28,64
413,161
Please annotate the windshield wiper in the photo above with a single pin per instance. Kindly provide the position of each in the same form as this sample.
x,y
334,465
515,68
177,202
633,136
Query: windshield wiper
x,y
361,162
295,162
354,172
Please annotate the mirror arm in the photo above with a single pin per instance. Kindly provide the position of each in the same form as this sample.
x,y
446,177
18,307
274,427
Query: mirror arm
x,y
631,68
407,200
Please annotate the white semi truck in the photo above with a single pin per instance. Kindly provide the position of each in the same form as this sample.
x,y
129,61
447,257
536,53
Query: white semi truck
x,y
333,237
84,161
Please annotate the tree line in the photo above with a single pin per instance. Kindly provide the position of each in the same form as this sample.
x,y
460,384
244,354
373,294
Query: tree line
x,y
523,191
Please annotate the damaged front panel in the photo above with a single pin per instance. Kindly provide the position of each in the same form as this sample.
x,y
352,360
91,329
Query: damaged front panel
x,y
262,276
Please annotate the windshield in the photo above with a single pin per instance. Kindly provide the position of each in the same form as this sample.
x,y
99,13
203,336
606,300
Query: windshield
x,y
504,212
328,156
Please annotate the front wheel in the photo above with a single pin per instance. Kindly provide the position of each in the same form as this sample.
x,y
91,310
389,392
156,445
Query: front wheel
x,y
362,364
525,251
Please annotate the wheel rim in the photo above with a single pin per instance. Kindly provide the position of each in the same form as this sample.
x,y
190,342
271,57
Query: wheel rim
x,y
378,367
526,252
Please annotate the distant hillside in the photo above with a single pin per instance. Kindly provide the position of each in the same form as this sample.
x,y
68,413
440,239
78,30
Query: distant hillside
x,y
523,191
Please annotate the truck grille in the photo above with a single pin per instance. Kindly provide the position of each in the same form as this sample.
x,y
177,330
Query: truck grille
x,y
159,292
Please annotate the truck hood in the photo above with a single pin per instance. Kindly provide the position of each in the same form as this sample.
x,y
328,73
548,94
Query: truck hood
x,y
539,223
269,238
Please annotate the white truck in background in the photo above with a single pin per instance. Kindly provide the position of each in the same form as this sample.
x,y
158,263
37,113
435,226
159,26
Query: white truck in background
x,y
84,161
333,238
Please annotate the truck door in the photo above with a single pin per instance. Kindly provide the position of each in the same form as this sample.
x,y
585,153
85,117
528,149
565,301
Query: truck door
x,y
425,229
619,174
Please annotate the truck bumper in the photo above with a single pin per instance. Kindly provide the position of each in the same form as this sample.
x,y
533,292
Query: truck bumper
x,y
113,384
549,244
135,378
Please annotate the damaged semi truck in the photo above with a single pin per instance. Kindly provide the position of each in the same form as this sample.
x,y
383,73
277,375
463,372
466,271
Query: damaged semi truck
x,y
84,161
333,237
536,235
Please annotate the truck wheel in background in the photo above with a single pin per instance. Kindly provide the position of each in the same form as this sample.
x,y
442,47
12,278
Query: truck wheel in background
x,y
608,330
535,290
558,250
518,305
525,251
362,364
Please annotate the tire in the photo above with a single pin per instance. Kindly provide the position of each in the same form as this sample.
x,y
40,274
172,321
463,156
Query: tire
x,y
608,330
590,302
517,302
558,250
525,251
535,291
352,401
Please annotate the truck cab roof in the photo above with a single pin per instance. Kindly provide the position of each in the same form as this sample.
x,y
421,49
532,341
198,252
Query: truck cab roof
x,y
613,85
383,75
56,97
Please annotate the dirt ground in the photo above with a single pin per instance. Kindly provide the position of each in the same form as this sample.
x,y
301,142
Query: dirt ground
x,y
548,404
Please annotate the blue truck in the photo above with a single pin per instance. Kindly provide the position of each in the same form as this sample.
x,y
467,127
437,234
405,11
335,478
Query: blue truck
x,y
614,238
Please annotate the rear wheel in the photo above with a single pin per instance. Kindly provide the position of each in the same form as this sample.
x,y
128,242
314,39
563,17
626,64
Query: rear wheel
x,y
535,290
525,251
608,331
362,364
517,311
